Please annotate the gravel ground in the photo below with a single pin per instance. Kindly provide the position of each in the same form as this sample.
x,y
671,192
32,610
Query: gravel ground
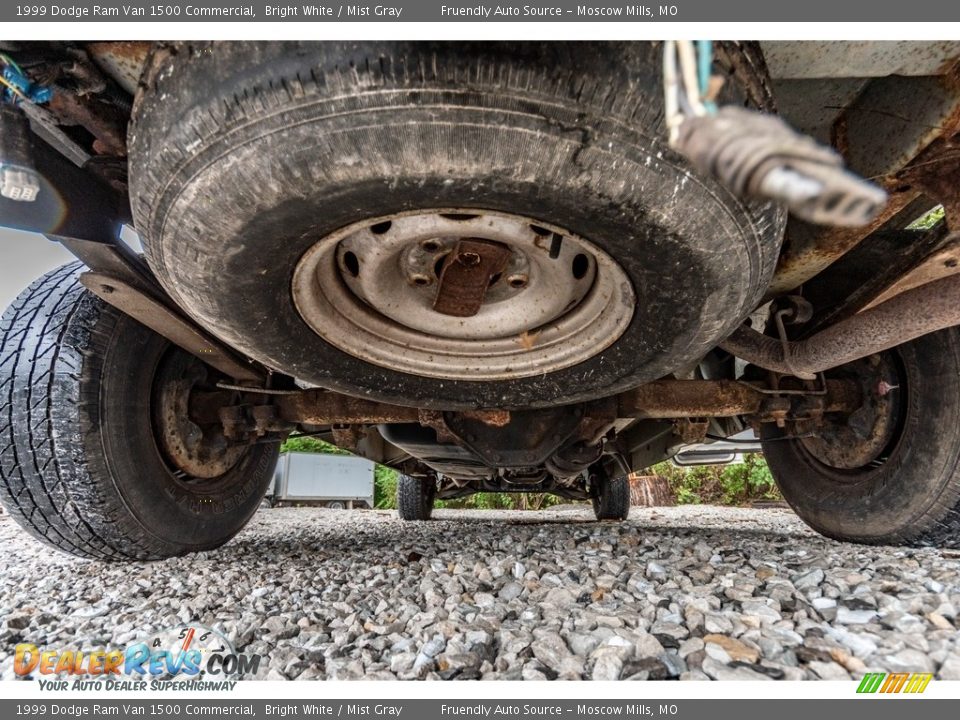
x,y
692,592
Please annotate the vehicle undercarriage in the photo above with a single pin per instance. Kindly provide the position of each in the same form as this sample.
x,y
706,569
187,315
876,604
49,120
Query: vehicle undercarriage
x,y
492,268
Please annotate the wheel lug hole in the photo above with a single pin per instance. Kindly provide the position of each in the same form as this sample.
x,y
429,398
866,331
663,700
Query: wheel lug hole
x,y
431,246
420,280
518,281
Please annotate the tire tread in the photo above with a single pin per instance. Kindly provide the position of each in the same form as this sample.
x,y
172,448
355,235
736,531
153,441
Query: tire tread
x,y
414,498
56,480
613,502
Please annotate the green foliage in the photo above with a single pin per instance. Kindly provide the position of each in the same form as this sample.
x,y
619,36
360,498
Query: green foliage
x,y
504,501
311,445
928,220
686,496
385,488
721,484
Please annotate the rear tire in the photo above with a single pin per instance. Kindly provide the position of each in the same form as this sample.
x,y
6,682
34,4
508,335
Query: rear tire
x,y
415,497
81,466
611,500
906,491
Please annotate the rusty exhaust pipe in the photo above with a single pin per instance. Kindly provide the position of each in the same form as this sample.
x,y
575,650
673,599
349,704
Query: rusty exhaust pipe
x,y
902,318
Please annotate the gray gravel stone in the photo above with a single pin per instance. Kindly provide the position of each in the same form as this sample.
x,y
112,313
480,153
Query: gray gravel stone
x,y
510,591
827,607
808,580
846,616
550,650
18,622
691,645
656,571
950,669
561,597
910,660
582,643
721,671
607,663
717,623
553,595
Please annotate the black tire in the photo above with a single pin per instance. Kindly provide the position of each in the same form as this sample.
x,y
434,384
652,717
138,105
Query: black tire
x,y
909,494
415,497
611,499
288,142
81,469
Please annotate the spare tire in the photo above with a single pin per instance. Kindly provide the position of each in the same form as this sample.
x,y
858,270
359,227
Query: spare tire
x,y
293,197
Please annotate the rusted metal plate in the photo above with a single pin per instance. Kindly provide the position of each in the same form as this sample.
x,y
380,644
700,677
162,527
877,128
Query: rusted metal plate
x,y
899,132
810,249
864,58
123,61
812,106
467,274
939,177
158,317
104,121
528,440
894,119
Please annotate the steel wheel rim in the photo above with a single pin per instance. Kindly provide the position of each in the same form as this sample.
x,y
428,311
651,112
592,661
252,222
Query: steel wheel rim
x,y
367,290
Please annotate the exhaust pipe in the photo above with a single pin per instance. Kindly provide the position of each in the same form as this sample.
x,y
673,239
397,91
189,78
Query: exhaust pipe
x,y
902,318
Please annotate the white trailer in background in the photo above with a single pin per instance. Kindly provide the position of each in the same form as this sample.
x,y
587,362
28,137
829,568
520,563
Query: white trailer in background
x,y
334,481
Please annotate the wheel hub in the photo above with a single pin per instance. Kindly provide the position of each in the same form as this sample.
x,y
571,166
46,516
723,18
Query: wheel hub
x,y
862,438
463,294
191,436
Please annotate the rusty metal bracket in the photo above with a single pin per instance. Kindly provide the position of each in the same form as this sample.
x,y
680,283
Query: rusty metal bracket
x,y
942,262
159,317
466,275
